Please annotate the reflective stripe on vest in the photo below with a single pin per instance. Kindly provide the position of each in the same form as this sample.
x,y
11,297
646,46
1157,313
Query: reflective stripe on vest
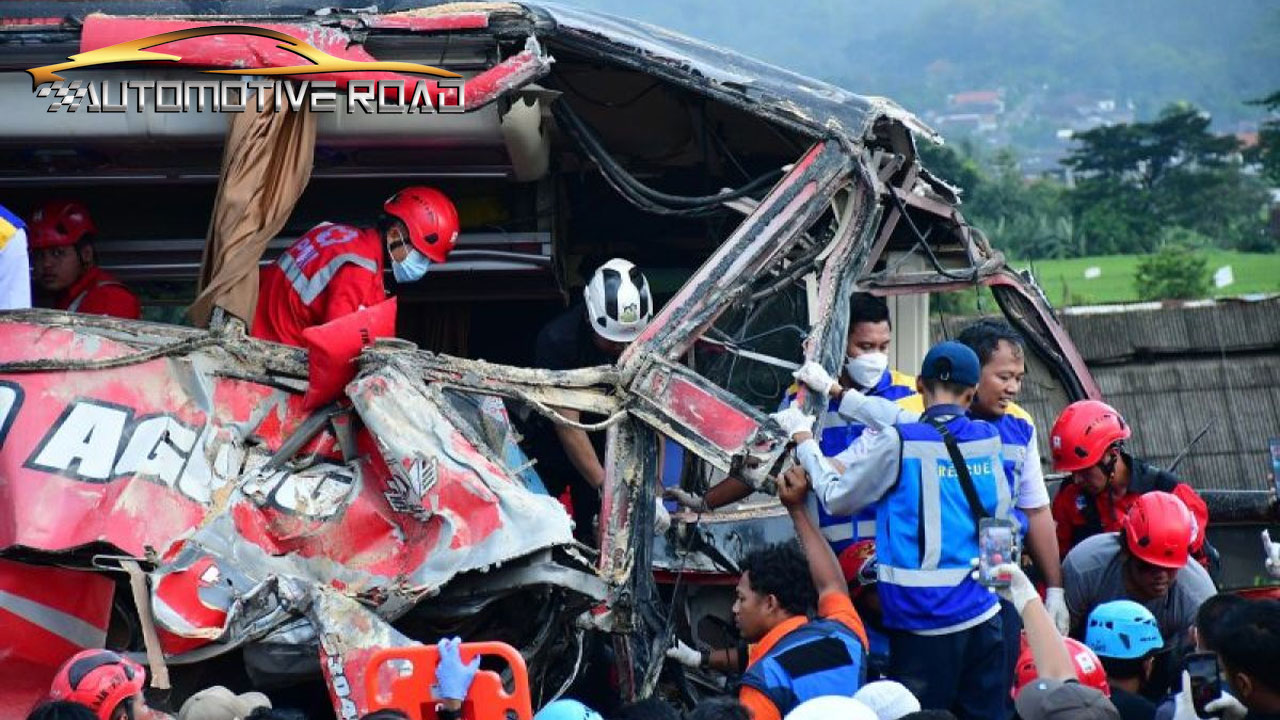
x,y
925,534
309,288
75,304
821,657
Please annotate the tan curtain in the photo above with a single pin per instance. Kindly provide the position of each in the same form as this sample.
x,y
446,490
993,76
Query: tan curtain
x,y
265,167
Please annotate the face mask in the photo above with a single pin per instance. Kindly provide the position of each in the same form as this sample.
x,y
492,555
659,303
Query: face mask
x,y
412,269
865,370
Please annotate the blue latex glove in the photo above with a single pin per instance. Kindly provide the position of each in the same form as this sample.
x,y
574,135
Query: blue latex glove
x,y
453,678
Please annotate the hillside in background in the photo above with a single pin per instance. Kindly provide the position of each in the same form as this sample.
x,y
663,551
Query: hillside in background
x,y
1055,63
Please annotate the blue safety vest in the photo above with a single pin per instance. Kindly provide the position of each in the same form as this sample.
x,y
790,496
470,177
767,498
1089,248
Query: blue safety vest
x,y
1015,428
925,531
821,657
838,433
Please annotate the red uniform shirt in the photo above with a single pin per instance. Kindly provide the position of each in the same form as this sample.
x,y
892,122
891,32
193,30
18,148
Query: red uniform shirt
x,y
331,271
98,293
1079,515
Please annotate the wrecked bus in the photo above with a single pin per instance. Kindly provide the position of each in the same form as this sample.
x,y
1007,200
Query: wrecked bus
x,y
167,491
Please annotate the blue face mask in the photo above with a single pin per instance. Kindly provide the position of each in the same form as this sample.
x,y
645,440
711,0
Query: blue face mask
x,y
412,269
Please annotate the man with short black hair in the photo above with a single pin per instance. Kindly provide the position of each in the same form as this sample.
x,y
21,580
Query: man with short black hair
x,y
866,373
1250,660
1208,628
1250,654
792,658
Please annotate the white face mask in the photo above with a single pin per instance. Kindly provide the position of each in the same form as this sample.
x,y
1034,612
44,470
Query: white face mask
x,y
865,370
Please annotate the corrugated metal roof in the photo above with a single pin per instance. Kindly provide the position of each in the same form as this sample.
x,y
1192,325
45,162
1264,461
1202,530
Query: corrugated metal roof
x,y
1123,336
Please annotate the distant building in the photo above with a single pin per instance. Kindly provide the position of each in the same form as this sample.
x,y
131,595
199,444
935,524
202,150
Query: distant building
x,y
974,111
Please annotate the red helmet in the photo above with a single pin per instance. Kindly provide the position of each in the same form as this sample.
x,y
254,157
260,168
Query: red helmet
x,y
59,223
1159,529
858,562
1082,434
1089,670
98,679
431,218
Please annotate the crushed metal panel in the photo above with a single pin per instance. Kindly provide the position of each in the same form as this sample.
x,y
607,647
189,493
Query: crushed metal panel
x,y
765,235
167,452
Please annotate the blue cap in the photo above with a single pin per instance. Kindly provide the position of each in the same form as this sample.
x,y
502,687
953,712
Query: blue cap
x,y
1124,630
951,361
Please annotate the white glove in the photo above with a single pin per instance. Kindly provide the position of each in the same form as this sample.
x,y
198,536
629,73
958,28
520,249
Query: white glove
x,y
815,377
793,420
1273,560
695,503
1020,590
1184,706
684,655
1055,601
661,518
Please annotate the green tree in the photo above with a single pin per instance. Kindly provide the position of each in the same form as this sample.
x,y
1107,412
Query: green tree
x,y
1268,150
1138,179
1177,272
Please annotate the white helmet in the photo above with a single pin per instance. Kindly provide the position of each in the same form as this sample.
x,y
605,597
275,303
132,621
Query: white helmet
x,y
619,305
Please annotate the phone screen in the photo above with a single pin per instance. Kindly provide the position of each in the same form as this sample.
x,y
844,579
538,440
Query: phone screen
x,y
997,544
1206,685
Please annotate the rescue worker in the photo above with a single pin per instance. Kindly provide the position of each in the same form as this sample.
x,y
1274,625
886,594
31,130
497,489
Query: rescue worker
x,y
1002,356
791,658
335,269
1051,669
928,508
64,264
1125,636
1086,665
794,659
15,273
106,683
867,373
616,308
1147,562
1087,441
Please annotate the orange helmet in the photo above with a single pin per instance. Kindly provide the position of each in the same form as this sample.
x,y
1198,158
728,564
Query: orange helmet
x,y
430,217
1082,434
58,223
1089,670
98,679
1159,529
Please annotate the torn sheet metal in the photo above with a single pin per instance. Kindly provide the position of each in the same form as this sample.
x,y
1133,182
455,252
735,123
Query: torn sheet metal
x,y
170,459
48,614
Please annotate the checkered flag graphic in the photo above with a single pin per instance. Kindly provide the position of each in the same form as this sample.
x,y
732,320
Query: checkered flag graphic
x,y
68,95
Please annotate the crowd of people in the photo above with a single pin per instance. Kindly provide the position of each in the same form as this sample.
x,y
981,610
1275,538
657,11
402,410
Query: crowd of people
x,y
881,607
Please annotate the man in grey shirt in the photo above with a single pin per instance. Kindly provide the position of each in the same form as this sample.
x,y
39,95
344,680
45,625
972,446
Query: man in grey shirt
x,y
1146,563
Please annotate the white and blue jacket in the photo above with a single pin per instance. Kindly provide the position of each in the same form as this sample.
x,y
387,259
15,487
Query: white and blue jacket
x,y
894,389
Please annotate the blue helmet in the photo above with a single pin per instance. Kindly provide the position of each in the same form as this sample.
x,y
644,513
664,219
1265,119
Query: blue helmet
x,y
567,710
1123,630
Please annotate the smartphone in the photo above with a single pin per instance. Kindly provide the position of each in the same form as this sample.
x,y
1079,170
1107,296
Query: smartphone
x,y
1206,681
997,544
